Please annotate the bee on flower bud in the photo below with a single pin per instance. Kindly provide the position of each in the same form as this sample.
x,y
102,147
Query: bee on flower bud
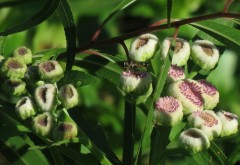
x,y
181,51
168,111
205,54
194,140
144,47
207,121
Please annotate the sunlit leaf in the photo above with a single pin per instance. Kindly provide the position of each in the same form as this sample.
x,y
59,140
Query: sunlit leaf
x,y
229,36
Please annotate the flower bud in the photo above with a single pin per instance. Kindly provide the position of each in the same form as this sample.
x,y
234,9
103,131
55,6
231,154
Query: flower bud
x,y
188,93
205,54
168,111
135,82
23,53
207,121
13,67
175,73
181,51
144,47
14,87
68,95
43,124
229,123
45,97
194,140
65,131
209,93
50,71
25,108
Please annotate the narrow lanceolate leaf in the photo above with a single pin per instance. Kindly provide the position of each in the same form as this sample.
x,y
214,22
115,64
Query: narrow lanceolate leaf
x,y
77,78
169,11
67,19
229,36
41,16
148,125
3,40
234,157
217,153
123,4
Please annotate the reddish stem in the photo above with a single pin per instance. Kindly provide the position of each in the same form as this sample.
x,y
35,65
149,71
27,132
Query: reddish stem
x,y
228,3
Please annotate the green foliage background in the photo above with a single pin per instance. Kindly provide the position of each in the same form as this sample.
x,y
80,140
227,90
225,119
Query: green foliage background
x,y
102,105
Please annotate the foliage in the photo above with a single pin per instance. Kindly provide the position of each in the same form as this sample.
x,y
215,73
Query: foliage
x,y
90,39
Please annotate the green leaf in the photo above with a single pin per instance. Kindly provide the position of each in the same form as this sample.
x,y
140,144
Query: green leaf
x,y
41,16
234,157
217,153
3,40
13,130
67,19
48,53
148,125
56,155
230,37
104,66
123,4
169,11
159,142
77,78
176,130
203,158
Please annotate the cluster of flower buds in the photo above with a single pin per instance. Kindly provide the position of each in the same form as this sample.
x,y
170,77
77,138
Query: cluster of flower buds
x,y
134,82
197,99
42,101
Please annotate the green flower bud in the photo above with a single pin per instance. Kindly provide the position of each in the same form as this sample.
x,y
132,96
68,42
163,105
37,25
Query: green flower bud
x,y
144,47
209,93
135,82
175,73
188,92
168,111
229,123
194,140
207,121
50,71
205,54
43,124
68,95
25,108
46,97
13,67
181,51
65,131
23,53
14,87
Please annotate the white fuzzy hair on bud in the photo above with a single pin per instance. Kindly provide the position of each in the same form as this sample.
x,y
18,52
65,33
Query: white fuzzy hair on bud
x,y
205,54
181,51
207,121
144,47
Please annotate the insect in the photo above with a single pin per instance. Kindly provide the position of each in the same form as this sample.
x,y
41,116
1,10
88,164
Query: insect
x,y
134,65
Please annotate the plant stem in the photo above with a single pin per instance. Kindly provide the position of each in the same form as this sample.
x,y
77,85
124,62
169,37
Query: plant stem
x,y
129,128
